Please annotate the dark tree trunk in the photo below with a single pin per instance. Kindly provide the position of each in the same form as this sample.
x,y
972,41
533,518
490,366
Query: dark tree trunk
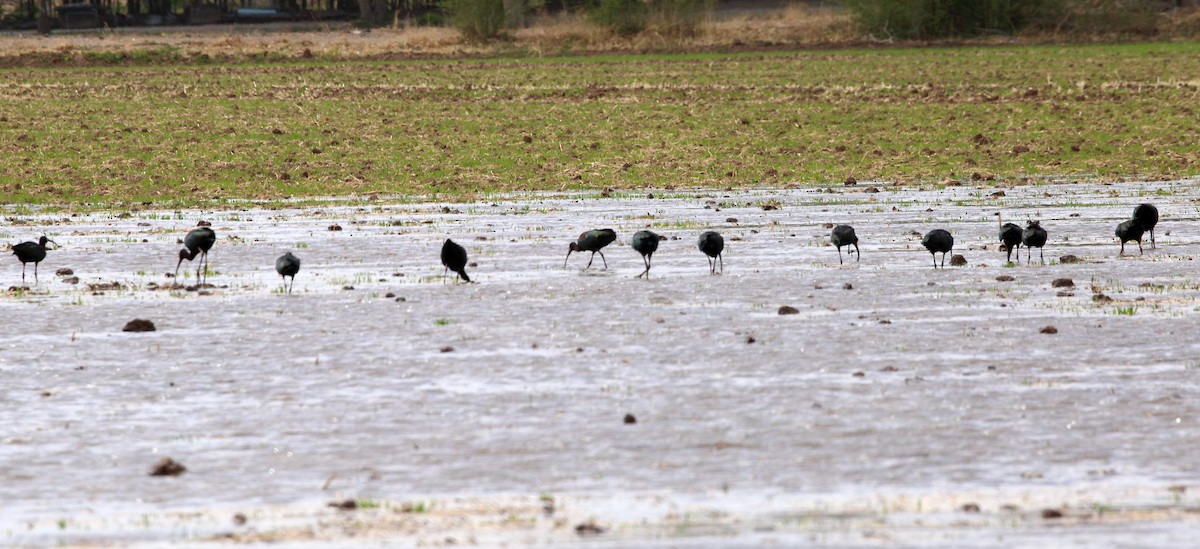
x,y
374,13
45,19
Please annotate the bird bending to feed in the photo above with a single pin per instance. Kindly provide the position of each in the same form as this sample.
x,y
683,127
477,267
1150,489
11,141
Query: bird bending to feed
x,y
288,265
1010,235
592,241
454,258
34,252
1147,216
938,240
197,242
1130,230
645,243
712,245
843,235
1034,236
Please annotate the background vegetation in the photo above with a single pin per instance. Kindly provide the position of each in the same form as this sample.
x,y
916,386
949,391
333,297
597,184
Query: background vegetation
x,y
196,131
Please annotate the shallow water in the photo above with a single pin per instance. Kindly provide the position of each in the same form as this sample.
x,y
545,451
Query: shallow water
x,y
914,384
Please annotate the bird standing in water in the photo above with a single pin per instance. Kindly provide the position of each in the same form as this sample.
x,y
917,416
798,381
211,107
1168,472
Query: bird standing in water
x,y
712,244
1130,230
645,243
197,242
592,241
1010,236
843,235
1147,216
454,258
288,265
1034,236
938,240
34,252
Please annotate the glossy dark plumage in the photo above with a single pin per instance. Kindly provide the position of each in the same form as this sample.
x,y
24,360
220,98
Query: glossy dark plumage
x,y
843,235
454,258
938,240
1147,216
1130,230
197,242
592,241
712,244
645,243
1010,236
288,265
1034,236
31,252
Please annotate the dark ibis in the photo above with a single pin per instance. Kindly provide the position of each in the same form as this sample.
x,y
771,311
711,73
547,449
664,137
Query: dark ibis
x,y
33,252
197,242
288,265
1010,236
1130,230
454,258
712,245
938,240
592,241
843,235
1147,216
645,243
1034,237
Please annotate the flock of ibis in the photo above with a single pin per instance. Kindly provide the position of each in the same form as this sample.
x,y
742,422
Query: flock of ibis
x,y
200,240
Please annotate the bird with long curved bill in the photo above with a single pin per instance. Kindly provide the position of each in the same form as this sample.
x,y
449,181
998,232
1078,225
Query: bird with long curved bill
x,y
843,235
712,244
938,240
454,258
592,241
197,242
32,252
288,265
645,243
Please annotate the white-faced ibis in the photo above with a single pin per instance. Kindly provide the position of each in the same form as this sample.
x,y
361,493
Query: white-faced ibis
x,y
288,265
843,235
1147,216
938,240
1130,230
1034,236
34,252
712,245
454,258
592,241
645,243
197,242
1010,236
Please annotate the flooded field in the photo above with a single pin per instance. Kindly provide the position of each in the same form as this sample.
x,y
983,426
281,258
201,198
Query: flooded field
x,y
899,405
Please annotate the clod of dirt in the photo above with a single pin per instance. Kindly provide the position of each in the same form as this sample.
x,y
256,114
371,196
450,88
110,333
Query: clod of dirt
x,y
885,321
958,261
769,207
1004,278
1019,149
850,181
1065,293
344,505
629,419
1068,259
998,194
203,223
239,519
347,287
1049,330
981,139
401,299
447,349
731,220
847,286
104,286
335,227
167,467
71,280
1101,298
788,310
888,369
829,225
139,325
1063,283
588,529
64,272
859,374
389,295
970,508
1052,514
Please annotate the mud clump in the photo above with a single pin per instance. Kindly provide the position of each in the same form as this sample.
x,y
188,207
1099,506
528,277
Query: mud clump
x,y
335,227
71,280
1068,259
447,349
64,272
344,505
139,325
847,286
1049,330
104,286
630,420
970,508
588,529
1101,298
1004,278
167,467
1063,283
958,261
1049,514
788,310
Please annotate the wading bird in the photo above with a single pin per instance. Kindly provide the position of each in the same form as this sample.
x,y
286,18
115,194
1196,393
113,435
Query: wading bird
x,y
938,240
454,258
1034,237
712,245
645,243
1130,230
1147,216
197,242
843,235
592,241
288,265
1010,235
34,252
